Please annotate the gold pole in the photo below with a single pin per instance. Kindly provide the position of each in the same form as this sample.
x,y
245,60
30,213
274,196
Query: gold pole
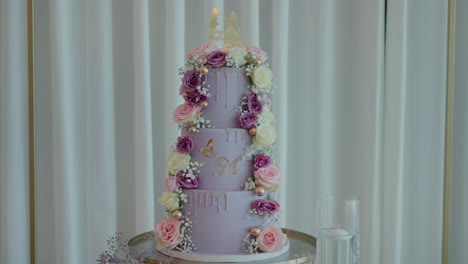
x,y
32,169
448,129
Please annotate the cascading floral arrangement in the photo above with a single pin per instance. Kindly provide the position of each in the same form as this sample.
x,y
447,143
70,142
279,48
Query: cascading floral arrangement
x,y
173,232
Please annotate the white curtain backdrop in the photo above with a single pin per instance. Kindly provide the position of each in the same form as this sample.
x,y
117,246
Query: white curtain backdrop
x,y
459,208
14,153
360,110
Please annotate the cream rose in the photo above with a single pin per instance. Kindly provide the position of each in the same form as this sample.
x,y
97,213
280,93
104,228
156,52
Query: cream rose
x,y
267,177
177,161
185,113
169,200
265,136
238,54
270,239
168,233
266,118
262,76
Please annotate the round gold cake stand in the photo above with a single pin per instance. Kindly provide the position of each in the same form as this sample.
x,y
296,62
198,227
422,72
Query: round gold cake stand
x,y
301,250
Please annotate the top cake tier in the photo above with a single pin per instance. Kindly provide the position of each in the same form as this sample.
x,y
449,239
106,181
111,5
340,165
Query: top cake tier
x,y
225,89
227,86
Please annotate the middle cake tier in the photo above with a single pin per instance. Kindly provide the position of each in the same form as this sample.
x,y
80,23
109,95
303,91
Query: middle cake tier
x,y
220,151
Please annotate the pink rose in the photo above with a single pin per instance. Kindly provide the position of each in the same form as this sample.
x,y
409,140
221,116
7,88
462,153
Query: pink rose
x,y
168,233
195,98
186,182
261,161
191,81
266,206
217,58
170,184
203,51
247,120
268,177
186,113
253,104
184,144
258,52
270,239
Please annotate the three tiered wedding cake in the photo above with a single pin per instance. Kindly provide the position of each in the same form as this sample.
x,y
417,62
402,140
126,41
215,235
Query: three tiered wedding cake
x,y
222,184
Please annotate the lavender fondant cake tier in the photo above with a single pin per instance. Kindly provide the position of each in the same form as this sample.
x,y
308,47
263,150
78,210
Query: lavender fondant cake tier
x,y
221,150
227,87
220,220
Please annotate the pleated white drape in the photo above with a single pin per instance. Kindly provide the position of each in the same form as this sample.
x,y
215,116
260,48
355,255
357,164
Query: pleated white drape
x,y
360,110
459,208
14,164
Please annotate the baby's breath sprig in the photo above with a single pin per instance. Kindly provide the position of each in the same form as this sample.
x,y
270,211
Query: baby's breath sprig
x,y
249,185
186,245
192,169
250,244
202,123
182,199
261,90
273,195
268,150
231,62
249,153
267,218
203,89
248,69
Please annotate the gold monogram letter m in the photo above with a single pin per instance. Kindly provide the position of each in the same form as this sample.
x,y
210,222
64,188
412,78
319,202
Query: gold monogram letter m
x,y
226,165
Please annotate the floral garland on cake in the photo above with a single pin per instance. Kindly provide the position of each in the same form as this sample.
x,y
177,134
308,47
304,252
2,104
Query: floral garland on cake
x,y
173,232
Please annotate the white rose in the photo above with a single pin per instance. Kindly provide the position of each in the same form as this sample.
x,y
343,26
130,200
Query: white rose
x,y
169,200
265,136
178,161
238,54
262,76
266,118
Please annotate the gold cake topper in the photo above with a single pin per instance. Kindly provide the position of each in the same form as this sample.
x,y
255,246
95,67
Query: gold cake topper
x,y
224,38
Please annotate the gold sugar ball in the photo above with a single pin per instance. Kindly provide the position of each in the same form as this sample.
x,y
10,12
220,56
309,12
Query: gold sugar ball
x,y
192,129
255,231
253,131
203,70
204,104
259,191
257,62
177,214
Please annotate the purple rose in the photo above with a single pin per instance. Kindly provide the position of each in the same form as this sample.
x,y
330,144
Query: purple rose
x,y
253,104
265,206
184,144
247,120
217,58
186,182
191,81
195,98
262,161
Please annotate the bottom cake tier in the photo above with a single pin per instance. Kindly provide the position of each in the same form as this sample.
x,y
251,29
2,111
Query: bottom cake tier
x,y
221,221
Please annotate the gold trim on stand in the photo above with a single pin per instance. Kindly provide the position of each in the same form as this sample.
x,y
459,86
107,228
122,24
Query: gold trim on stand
x,y
32,168
448,130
